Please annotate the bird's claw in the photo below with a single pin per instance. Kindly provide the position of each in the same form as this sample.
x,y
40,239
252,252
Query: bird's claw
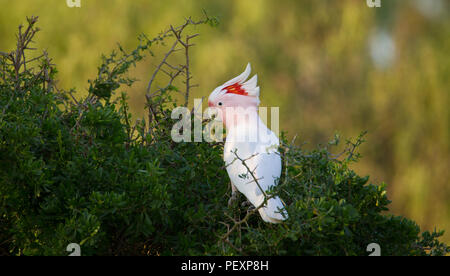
x,y
232,199
246,203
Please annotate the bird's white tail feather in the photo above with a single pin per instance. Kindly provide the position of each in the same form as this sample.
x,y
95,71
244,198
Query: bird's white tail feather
x,y
274,211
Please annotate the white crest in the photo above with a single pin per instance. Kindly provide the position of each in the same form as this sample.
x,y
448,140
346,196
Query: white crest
x,y
250,87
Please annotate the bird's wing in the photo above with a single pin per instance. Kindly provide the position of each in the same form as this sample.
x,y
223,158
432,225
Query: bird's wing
x,y
267,173
266,169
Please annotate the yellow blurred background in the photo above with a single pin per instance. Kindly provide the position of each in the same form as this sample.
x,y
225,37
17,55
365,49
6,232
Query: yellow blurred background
x,y
331,66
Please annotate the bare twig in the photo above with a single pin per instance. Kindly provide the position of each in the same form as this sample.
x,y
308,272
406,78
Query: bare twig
x,y
245,219
181,43
243,161
159,67
225,237
17,59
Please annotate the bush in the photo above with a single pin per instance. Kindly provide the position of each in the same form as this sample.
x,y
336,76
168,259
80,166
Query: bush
x,y
77,171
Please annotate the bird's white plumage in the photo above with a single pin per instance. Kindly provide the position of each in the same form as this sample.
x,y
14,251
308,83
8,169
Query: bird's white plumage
x,y
249,139
252,141
263,159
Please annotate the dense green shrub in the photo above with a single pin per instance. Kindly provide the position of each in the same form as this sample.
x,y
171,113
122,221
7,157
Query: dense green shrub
x,y
77,171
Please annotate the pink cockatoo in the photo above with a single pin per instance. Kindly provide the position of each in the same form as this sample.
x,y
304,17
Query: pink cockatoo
x,y
248,139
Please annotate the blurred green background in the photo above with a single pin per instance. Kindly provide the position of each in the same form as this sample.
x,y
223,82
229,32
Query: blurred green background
x,y
331,66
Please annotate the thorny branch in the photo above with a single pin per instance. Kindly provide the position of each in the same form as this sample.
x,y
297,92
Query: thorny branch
x,y
237,223
182,43
350,148
17,57
251,172
349,151
18,60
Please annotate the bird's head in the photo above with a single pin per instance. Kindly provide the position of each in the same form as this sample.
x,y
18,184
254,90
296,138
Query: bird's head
x,y
237,92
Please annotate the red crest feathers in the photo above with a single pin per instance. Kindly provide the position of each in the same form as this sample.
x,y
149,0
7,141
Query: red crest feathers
x,y
236,89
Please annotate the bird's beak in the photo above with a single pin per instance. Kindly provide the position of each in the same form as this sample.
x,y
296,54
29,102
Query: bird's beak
x,y
210,104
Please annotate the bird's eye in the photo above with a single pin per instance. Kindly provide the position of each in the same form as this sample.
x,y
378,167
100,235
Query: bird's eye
x,y
219,103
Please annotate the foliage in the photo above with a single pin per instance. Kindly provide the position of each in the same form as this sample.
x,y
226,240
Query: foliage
x,y
77,170
314,58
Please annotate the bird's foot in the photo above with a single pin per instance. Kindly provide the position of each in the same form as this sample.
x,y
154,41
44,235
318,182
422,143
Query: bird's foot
x,y
246,203
233,198
251,208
